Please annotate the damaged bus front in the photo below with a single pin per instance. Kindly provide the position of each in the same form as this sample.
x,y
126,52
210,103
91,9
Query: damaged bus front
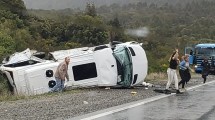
x,y
132,64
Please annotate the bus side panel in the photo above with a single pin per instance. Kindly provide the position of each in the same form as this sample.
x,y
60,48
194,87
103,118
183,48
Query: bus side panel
x,y
107,67
83,71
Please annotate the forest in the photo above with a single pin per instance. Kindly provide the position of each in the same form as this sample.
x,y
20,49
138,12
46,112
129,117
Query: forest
x,y
170,25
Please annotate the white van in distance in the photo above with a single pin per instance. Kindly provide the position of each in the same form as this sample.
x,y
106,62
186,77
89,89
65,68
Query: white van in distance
x,y
123,65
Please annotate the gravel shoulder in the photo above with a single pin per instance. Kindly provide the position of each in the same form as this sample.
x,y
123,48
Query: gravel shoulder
x,y
77,102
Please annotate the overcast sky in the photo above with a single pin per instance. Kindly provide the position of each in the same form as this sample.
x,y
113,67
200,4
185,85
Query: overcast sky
x,y
62,4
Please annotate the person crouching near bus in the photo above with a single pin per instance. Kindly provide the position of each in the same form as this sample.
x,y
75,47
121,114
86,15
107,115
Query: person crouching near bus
x,y
184,71
60,75
205,69
171,72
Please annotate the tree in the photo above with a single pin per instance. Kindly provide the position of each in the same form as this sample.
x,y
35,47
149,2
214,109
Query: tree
x,y
91,10
22,39
7,44
115,22
15,6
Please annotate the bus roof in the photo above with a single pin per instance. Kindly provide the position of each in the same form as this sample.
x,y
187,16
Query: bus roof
x,y
205,45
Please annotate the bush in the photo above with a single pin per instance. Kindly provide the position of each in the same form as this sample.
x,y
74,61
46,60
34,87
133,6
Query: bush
x,y
4,88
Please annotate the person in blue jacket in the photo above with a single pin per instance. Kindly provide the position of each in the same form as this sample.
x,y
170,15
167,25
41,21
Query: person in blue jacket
x,y
184,71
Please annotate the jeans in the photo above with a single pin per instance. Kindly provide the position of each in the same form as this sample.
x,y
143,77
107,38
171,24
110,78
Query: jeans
x,y
59,85
172,76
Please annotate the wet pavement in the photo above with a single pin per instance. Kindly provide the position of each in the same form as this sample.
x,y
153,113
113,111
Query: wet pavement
x,y
198,103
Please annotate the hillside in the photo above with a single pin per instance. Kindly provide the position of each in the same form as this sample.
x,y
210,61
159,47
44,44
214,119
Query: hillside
x,y
15,6
169,24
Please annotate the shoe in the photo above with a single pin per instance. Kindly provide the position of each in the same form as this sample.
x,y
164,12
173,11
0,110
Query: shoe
x,y
178,92
182,90
166,91
50,91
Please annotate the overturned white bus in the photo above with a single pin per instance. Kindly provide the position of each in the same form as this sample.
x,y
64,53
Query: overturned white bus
x,y
123,65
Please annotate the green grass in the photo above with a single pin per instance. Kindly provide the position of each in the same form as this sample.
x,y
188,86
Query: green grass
x,y
156,76
6,96
163,76
9,97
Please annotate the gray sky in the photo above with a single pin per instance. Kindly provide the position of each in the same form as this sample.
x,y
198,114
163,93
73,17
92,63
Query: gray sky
x,y
62,4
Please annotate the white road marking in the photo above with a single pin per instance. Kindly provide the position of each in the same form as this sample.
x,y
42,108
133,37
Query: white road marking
x,y
125,107
196,86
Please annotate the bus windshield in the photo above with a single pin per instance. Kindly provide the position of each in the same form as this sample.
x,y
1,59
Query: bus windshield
x,y
205,51
124,59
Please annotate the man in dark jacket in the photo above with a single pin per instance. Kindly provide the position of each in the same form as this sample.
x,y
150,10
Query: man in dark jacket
x,y
205,69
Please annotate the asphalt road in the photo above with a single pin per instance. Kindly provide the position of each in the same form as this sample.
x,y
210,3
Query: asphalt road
x,y
198,103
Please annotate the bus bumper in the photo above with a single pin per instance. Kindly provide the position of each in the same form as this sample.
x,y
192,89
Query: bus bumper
x,y
198,70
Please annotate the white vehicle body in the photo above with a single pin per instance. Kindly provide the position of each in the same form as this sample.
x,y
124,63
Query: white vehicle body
x,y
124,66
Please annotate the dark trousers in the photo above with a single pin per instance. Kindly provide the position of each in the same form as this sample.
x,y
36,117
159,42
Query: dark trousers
x,y
204,77
185,77
182,82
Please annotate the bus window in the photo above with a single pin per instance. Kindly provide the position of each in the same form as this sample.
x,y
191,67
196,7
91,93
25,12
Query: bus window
x,y
85,71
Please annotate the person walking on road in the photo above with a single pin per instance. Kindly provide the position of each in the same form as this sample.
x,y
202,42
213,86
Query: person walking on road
x,y
205,69
184,71
60,75
171,72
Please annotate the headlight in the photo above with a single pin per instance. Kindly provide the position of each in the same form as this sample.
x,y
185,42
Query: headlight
x,y
195,66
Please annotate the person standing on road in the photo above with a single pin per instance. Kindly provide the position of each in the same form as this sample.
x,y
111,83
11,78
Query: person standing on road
x,y
205,69
184,71
171,72
191,52
60,75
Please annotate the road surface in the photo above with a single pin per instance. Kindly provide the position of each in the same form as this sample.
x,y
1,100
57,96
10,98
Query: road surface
x,y
198,103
